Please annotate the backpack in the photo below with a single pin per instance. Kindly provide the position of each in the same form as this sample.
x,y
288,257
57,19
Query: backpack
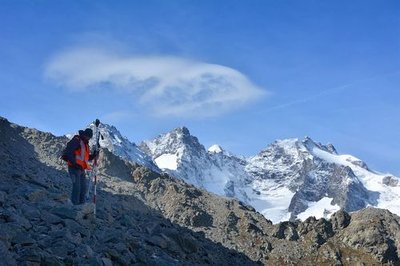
x,y
64,156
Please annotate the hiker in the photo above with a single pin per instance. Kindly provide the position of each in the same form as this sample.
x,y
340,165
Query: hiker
x,y
77,155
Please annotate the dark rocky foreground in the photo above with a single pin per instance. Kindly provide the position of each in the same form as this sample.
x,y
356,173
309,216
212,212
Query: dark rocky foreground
x,y
144,218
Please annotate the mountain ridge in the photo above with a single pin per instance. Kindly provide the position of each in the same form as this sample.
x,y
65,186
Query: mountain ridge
x,y
145,217
282,174
289,179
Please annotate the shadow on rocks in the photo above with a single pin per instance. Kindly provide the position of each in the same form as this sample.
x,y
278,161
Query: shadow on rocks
x,y
39,225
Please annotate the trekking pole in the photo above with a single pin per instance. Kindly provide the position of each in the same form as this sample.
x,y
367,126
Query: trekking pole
x,y
96,149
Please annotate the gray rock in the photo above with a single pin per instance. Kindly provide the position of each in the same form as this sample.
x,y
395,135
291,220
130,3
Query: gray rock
x,y
109,236
390,181
153,228
61,248
51,218
12,215
75,227
36,195
365,232
30,256
117,257
173,246
340,220
84,251
106,262
85,209
51,260
158,241
120,247
9,231
186,243
201,219
3,198
60,197
65,213
23,239
6,255
30,212
286,230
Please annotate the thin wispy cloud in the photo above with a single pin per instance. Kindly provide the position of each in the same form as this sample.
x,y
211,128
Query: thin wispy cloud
x,y
326,92
167,85
309,98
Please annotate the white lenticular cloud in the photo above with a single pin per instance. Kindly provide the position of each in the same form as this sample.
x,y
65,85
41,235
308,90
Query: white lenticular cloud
x,y
167,85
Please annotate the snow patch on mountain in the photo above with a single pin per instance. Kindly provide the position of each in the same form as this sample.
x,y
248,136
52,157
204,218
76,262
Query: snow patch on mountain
x,y
215,149
167,161
270,199
319,209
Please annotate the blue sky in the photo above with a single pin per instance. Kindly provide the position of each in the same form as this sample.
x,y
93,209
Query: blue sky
x,y
237,73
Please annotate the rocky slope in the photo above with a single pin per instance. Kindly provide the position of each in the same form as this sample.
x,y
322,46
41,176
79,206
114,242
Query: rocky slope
x,y
39,226
144,217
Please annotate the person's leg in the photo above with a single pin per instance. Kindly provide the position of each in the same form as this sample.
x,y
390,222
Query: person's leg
x,y
74,174
83,186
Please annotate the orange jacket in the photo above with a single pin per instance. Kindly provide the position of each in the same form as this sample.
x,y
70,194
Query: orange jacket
x,y
81,154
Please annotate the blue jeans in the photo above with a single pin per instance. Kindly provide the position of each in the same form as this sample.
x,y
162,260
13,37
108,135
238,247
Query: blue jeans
x,y
79,186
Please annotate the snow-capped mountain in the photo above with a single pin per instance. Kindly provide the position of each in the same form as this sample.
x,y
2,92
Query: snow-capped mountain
x,y
300,169
180,154
112,140
289,179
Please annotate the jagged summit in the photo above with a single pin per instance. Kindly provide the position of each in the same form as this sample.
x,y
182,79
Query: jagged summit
x,y
182,130
113,140
181,154
174,142
215,149
307,143
330,148
311,144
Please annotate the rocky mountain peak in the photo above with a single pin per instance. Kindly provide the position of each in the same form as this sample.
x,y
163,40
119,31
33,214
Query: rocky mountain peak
x,y
176,141
330,148
112,140
184,131
183,136
310,144
215,149
3,119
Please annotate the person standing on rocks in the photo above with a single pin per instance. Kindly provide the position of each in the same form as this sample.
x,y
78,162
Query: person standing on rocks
x,y
77,155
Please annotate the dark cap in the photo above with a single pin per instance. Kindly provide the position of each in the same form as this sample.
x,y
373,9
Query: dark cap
x,y
88,133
